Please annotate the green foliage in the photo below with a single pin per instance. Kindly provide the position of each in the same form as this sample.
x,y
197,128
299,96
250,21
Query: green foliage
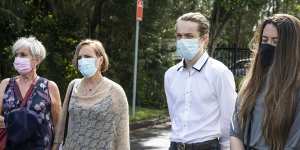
x,y
148,113
238,82
49,27
61,25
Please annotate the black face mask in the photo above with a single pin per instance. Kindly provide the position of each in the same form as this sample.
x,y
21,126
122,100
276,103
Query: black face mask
x,y
267,54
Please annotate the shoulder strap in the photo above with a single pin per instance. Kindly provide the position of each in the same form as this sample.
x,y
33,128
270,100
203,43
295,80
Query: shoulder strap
x,y
30,90
67,116
45,85
248,147
28,94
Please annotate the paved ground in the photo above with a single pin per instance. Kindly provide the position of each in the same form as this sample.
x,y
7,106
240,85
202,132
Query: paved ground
x,y
152,138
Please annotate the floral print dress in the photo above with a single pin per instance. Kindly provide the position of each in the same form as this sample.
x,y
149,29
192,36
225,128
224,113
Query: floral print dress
x,y
39,106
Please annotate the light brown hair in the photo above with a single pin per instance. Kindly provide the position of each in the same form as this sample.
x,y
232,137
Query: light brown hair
x,y
280,80
99,50
203,23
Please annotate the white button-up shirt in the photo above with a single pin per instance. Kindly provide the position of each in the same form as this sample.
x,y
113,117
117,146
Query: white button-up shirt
x,y
200,101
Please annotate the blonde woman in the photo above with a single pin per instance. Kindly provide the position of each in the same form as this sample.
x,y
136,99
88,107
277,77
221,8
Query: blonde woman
x,y
97,108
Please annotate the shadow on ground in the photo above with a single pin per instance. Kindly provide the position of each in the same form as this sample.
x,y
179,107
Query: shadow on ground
x,y
152,138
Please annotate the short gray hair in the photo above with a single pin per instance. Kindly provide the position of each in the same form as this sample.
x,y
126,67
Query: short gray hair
x,y
36,47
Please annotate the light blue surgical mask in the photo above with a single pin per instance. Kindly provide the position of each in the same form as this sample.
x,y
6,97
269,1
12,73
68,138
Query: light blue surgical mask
x,y
187,48
87,67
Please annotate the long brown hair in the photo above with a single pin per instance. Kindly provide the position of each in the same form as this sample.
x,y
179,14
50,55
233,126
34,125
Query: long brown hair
x,y
280,80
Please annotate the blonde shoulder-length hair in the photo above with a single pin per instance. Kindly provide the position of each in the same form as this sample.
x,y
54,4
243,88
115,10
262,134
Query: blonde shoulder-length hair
x,y
99,50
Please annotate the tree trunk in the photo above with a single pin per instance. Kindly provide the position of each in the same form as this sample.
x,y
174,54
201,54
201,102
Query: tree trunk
x,y
219,19
96,19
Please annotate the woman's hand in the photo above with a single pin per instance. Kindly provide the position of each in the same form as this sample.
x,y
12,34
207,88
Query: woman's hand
x,y
55,146
236,143
2,125
3,85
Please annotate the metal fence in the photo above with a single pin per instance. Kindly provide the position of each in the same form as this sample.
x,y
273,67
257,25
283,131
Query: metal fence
x,y
236,59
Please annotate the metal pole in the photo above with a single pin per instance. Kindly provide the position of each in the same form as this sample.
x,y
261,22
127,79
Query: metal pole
x,y
135,67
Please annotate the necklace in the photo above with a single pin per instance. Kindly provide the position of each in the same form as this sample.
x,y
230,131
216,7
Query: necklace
x,y
90,88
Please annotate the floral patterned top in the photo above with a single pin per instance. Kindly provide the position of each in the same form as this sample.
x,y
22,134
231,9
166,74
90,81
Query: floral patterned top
x,y
39,106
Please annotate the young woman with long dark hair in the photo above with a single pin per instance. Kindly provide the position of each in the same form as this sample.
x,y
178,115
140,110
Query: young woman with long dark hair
x,y
267,114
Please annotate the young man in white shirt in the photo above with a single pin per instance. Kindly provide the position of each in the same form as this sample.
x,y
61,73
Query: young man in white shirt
x,y
200,90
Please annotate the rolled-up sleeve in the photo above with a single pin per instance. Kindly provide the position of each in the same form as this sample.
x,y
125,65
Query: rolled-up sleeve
x,y
235,129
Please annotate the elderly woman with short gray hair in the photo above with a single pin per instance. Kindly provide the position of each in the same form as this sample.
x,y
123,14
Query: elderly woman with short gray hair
x,y
30,104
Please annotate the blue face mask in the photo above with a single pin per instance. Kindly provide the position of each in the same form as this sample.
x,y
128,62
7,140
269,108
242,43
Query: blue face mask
x,y
187,48
87,67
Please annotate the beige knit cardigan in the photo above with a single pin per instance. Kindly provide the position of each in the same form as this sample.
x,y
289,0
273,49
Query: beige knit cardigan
x,y
105,87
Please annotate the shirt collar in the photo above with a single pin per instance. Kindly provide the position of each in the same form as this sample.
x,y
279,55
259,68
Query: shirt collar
x,y
198,65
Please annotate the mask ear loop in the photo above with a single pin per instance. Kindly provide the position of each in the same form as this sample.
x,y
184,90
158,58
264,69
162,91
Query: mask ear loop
x,y
39,60
205,40
100,63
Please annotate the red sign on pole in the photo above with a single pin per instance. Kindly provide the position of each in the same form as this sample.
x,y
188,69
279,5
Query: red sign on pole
x,y
139,10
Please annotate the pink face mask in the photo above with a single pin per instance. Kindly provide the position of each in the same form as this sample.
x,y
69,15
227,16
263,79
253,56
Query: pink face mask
x,y
22,65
